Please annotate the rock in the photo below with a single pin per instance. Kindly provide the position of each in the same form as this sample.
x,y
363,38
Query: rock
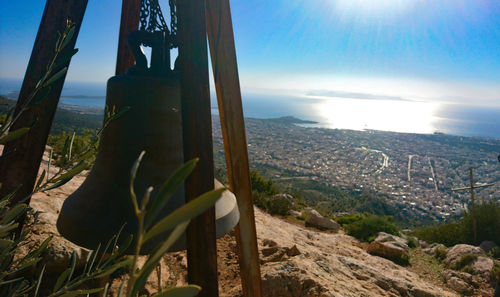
x,y
456,252
423,244
287,280
487,245
293,251
436,250
287,197
314,219
482,267
390,247
295,213
459,281
269,242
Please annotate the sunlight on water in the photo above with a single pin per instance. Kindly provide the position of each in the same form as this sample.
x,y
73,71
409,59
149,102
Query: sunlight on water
x,y
387,115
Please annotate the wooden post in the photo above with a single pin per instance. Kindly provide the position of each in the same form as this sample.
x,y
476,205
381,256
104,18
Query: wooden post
x,y
197,134
474,222
21,166
129,22
473,200
225,69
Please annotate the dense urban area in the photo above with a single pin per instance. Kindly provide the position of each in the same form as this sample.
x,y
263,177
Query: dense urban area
x,y
416,172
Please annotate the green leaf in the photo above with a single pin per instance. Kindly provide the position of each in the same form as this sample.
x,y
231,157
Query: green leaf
x,y
81,292
93,257
119,113
72,266
120,250
40,96
55,77
168,189
108,270
61,279
11,194
74,171
69,36
40,179
14,212
184,291
11,281
65,149
7,228
58,39
153,260
66,57
133,173
5,243
13,135
186,212
41,248
39,281
56,185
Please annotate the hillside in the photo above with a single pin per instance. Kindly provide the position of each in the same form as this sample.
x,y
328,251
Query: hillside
x,y
296,261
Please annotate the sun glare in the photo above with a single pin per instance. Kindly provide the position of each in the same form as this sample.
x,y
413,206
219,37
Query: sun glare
x,y
398,116
373,7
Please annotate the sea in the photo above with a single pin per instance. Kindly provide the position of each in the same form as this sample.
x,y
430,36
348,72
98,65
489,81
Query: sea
x,y
328,112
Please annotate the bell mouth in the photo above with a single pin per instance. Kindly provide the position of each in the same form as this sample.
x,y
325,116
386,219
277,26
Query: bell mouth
x,y
226,213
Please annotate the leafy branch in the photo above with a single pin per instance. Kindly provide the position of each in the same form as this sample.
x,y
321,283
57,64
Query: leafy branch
x,y
43,86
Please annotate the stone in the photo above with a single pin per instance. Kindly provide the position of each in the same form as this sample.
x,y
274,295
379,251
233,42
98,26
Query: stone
x,y
390,247
487,245
295,213
269,242
314,219
456,252
284,196
423,244
482,267
293,251
435,250
459,281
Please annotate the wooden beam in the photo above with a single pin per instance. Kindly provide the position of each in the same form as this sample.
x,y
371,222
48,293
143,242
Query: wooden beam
x,y
225,69
197,134
129,22
21,166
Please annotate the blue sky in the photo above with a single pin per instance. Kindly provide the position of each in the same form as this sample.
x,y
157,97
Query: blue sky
x,y
447,50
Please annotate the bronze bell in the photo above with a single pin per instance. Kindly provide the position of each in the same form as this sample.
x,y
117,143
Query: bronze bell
x,y
101,205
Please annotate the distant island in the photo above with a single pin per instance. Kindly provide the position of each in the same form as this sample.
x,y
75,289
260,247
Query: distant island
x,y
290,120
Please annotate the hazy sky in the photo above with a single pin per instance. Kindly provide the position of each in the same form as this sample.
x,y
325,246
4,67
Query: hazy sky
x,y
446,50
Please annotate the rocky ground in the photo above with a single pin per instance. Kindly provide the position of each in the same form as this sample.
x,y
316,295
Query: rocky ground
x,y
295,260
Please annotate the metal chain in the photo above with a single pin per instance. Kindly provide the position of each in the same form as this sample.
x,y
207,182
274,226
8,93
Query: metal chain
x,y
151,19
173,23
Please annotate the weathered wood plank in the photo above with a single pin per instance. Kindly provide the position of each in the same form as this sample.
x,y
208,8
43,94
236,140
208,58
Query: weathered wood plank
x,y
21,166
129,22
197,133
225,69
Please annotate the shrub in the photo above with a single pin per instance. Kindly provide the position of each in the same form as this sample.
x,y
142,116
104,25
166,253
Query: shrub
x,y
495,253
271,204
495,274
279,206
370,225
345,220
79,144
412,242
488,224
448,234
461,231
440,253
259,184
464,262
